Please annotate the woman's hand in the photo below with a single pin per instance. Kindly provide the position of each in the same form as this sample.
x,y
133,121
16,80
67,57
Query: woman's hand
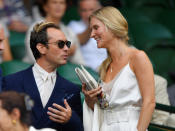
x,y
91,96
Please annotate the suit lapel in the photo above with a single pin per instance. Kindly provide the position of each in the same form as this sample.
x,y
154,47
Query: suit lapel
x,y
31,87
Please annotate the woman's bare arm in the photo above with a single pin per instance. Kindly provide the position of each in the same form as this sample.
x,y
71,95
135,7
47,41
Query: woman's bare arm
x,y
145,77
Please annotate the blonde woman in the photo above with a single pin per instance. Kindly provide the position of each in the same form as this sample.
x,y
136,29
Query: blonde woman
x,y
127,75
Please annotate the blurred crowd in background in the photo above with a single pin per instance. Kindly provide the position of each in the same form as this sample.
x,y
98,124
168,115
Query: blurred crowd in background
x,y
151,28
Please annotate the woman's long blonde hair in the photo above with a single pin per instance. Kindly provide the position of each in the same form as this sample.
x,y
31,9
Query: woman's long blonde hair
x,y
117,24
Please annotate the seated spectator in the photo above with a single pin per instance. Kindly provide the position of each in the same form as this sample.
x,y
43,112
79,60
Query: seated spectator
x,y
1,48
6,53
160,117
15,15
92,56
161,94
35,10
15,109
57,100
53,11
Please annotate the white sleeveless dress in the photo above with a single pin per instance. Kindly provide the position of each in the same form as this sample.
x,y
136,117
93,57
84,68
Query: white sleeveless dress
x,y
125,103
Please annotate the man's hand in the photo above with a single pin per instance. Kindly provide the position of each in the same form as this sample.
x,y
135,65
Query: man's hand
x,y
60,114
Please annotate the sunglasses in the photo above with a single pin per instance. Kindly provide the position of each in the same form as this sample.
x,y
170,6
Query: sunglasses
x,y
61,43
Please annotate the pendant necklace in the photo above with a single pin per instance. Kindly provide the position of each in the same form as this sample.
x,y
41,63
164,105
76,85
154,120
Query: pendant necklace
x,y
111,69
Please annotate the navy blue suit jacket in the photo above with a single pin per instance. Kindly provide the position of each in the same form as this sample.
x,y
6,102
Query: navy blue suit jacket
x,y
24,81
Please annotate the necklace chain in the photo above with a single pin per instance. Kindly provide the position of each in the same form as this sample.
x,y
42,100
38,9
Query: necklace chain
x,y
111,69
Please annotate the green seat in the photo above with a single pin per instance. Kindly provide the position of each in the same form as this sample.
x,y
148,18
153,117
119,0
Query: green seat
x,y
172,65
17,44
157,127
16,38
166,18
68,72
143,33
18,51
170,42
132,3
151,12
13,66
143,3
134,15
71,14
156,3
82,97
162,59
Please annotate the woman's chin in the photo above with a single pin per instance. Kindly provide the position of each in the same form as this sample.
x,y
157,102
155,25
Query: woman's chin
x,y
99,46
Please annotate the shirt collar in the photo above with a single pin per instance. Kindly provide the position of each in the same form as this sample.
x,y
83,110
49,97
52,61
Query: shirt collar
x,y
43,73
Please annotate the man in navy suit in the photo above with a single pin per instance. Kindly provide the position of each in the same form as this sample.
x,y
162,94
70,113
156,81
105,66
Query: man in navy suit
x,y
57,101
2,37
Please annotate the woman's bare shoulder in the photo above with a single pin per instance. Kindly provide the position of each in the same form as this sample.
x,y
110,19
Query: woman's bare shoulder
x,y
138,58
137,55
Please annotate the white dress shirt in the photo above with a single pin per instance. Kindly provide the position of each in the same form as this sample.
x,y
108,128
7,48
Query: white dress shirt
x,y
31,128
45,82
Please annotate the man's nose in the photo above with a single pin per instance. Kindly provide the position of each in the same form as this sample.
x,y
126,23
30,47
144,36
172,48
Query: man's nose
x,y
66,47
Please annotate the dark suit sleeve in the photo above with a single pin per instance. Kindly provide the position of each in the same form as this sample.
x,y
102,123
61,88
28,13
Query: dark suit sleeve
x,y
12,82
76,118
78,107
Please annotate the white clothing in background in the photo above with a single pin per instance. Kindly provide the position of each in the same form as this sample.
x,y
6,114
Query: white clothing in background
x,y
162,117
31,128
92,55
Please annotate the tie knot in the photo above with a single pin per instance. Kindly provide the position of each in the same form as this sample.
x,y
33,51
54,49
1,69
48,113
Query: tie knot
x,y
49,77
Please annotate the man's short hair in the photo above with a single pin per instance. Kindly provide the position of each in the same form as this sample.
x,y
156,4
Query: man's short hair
x,y
39,35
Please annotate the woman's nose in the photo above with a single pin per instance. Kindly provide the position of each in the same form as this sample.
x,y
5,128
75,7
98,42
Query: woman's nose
x,y
1,46
92,34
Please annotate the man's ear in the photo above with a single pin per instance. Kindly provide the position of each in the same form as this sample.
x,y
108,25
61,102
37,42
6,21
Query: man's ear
x,y
41,48
16,114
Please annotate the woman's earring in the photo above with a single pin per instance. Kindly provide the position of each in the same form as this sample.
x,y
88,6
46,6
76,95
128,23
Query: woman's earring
x,y
14,122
